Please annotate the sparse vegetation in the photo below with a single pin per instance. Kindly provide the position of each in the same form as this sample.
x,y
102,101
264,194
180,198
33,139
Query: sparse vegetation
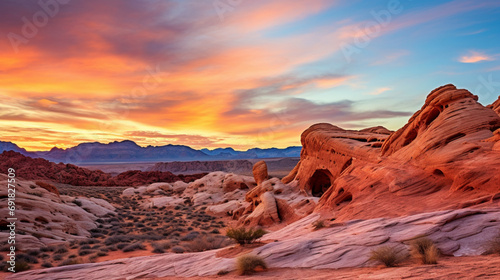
x,y
247,264
390,256
22,265
319,224
204,243
424,249
71,261
178,249
134,247
244,236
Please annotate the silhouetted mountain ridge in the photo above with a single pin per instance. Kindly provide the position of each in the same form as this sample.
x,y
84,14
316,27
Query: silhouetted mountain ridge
x,y
129,151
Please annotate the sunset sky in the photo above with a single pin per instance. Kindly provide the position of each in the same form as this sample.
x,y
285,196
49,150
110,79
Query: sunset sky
x,y
239,73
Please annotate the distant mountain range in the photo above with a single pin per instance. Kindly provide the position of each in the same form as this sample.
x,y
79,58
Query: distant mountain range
x,y
129,151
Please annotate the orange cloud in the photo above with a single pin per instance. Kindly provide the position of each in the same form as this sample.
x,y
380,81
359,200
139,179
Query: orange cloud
x,y
474,57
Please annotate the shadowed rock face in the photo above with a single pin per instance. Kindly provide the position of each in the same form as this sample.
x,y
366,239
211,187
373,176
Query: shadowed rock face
x,y
447,156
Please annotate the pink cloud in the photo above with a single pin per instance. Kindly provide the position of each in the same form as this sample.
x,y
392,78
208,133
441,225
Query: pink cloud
x,y
475,57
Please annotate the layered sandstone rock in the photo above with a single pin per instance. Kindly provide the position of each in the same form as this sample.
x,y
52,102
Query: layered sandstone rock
x,y
339,245
445,157
269,201
44,217
495,106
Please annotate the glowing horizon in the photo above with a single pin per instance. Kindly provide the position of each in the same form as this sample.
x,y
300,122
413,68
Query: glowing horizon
x,y
240,74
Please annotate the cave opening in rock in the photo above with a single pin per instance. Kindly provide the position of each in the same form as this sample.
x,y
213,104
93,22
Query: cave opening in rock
x,y
320,182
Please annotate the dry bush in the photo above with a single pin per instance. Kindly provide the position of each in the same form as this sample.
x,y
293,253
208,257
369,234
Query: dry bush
x,y
319,224
134,247
244,236
48,187
204,243
424,249
390,256
71,261
247,264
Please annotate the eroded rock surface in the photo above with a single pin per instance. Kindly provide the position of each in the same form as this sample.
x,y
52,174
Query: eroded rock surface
x,y
455,232
44,217
446,157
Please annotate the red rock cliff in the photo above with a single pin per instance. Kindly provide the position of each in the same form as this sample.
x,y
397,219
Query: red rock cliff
x,y
447,156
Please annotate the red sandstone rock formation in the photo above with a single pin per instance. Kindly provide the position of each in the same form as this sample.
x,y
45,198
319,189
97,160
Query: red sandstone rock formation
x,y
495,106
447,156
41,169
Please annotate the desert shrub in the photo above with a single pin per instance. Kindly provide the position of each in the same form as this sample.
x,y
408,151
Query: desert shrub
x,y
48,187
204,243
117,239
93,258
247,264
101,254
57,257
22,265
388,255
89,241
46,264
424,249
77,202
244,236
492,246
33,252
134,247
319,224
85,247
97,235
112,248
85,252
159,248
45,249
60,250
120,246
44,256
190,236
27,258
71,261
178,249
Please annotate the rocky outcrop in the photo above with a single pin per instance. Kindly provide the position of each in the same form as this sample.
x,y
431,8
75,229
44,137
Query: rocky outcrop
x,y
38,168
495,106
455,233
44,217
329,150
269,201
259,171
446,157
339,245
193,167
